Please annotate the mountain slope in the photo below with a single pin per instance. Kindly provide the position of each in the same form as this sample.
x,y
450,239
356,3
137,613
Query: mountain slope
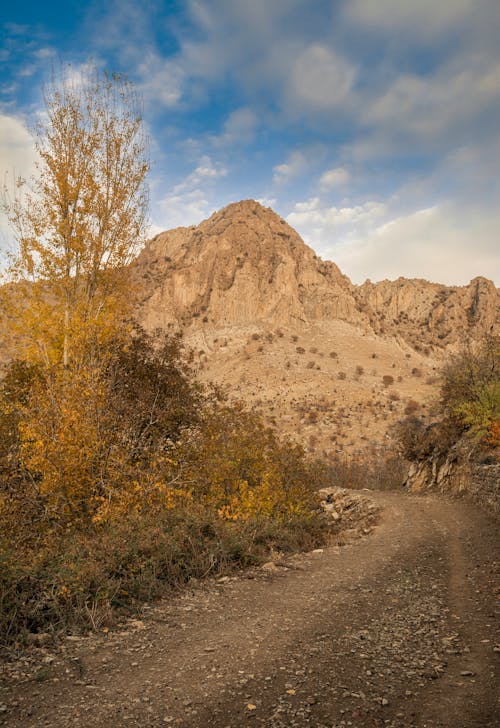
x,y
329,363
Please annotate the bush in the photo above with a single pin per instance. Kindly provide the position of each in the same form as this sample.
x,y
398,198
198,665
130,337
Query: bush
x,y
86,579
375,470
417,440
411,407
470,391
157,481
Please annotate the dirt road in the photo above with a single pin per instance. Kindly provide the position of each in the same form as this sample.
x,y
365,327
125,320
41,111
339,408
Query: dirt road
x,y
395,629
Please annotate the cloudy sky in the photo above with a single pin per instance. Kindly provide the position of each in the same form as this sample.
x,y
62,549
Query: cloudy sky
x,y
372,126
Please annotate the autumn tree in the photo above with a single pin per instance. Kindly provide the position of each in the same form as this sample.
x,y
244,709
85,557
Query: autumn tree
x,y
79,221
470,390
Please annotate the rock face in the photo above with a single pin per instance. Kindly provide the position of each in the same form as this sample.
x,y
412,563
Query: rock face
x,y
458,472
426,313
246,266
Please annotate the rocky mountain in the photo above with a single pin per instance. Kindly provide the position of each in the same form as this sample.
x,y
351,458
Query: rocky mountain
x,y
245,266
429,314
330,363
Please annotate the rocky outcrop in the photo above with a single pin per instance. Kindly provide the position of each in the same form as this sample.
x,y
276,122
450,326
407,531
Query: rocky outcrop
x,y
459,472
347,511
245,266
428,314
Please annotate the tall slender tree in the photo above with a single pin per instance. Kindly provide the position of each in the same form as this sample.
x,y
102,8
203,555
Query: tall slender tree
x,y
77,223
80,219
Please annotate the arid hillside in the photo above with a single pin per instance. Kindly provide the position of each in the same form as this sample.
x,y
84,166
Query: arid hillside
x,y
329,362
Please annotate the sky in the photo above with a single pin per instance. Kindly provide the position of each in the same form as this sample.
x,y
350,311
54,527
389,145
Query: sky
x,y
371,126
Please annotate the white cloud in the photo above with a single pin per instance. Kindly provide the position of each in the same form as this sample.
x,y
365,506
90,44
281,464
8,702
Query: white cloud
x,y
205,172
160,80
239,128
425,17
189,201
335,177
446,243
319,222
182,210
17,152
440,243
295,165
267,201
320,80
43,53
17,157
432,106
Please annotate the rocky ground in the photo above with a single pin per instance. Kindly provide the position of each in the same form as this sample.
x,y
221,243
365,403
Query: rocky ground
x,y
396,629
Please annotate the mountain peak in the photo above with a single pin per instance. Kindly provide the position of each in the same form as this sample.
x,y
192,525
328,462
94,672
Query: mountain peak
x,y
242,266
245,266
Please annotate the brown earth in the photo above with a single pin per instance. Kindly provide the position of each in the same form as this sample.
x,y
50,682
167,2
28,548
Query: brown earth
x,y
396,629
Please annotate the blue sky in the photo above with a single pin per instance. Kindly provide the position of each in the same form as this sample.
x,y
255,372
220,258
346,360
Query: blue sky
x,y
372,126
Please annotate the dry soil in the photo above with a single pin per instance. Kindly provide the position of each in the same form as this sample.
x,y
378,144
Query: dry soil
x,y
395,629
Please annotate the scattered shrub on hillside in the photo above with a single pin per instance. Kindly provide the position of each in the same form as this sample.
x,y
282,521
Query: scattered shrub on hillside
x,y
387,380
417,440
411,407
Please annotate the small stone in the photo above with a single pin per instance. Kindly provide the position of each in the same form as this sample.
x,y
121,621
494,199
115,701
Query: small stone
x,y
467,673
384,701
269,566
